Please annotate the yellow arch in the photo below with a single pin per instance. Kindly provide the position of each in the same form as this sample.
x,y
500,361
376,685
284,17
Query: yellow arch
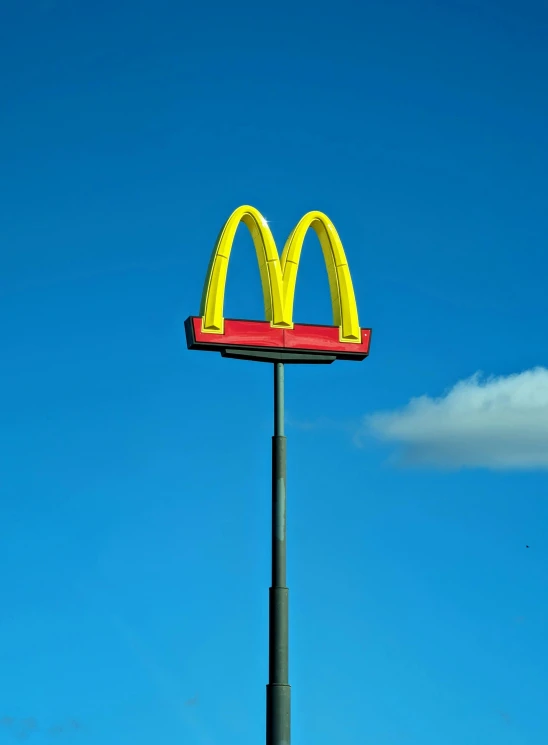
x,y
278,277
213,295
343,300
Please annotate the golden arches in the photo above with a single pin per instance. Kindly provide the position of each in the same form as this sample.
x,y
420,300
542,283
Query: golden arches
x,y
279,276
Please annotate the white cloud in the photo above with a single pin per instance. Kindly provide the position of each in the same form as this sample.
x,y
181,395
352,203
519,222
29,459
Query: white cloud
x,y
498,423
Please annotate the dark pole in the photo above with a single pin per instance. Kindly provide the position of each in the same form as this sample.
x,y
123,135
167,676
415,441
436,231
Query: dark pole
x,y
278,691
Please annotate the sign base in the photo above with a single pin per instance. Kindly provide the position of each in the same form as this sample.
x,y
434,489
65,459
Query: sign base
x,y
258,341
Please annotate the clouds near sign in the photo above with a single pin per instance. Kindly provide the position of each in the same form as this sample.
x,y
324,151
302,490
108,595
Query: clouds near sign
x,y
496,422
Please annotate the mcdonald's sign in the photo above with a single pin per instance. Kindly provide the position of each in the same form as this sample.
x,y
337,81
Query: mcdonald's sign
x,y
278,338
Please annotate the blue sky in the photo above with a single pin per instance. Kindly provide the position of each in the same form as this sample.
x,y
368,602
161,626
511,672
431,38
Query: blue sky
x,y
134,486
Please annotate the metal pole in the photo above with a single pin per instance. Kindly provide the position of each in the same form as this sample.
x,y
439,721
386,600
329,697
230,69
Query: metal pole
x,y
278,691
